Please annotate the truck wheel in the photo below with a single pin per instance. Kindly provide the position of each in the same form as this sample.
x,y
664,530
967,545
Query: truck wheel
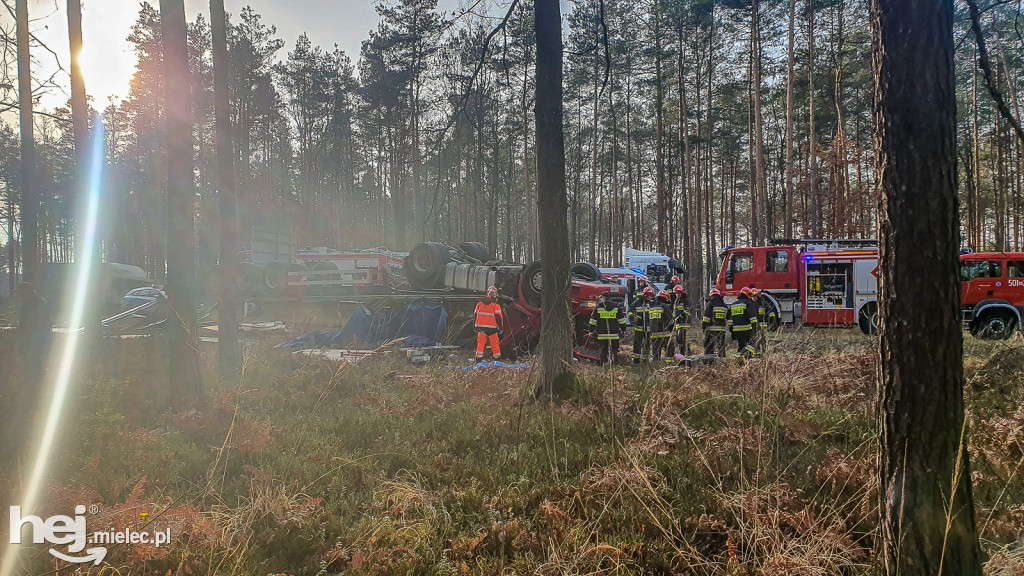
x,y
424,267
532,284
275,279
994,325
868,319
587,271
249,278
769,308
476,250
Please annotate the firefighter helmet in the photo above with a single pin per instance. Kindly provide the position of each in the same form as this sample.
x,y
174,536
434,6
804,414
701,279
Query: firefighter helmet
x,y
649,292
641,281
755,292
663,294
716,292
675,279
679,289
492,292
745,291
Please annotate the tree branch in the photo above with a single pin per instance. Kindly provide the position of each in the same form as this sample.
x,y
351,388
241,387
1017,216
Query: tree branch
x,y
986,68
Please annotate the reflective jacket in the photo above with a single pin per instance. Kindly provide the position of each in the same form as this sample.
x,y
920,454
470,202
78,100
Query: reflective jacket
x,y
488,314
681,308
607,321
660,318
764,316
716,315
743,314
638,314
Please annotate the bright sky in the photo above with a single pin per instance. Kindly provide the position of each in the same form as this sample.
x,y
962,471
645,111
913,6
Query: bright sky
x,y
107,62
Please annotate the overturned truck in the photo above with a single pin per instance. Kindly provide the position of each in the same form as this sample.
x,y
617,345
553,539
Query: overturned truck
x,y
436,268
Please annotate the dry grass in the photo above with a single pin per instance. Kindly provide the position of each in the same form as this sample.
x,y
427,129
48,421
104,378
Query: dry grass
x,y
759,468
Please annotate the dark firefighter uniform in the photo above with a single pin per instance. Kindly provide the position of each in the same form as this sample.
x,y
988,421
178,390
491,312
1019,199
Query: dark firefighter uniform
x,y
681,312
489,322
765,318
660,318
641,285
715,323
743,315
607,323
638,315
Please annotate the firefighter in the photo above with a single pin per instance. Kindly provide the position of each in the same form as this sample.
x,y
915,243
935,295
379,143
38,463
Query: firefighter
x,y
763,317
489,323
607,323
660,318
681,317
743,318
638,309
715,324
641,285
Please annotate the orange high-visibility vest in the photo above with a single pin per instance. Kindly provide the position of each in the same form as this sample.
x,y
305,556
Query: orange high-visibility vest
x,y
488,315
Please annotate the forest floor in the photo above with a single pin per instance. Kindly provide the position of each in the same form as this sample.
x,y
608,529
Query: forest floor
x,y
307,467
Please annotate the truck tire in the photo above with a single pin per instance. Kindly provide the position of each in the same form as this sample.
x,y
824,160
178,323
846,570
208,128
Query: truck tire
x,y
587,271
424,266
249,278
275,279
769,307
476,250
532,285
994,325
868,319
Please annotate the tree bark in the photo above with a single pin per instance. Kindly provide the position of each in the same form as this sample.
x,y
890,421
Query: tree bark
x,y
788,209
926,508
556,327
29,176
762,183
227,326
183,354
813,148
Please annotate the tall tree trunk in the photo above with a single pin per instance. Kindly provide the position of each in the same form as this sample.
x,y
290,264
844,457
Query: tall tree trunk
x,y
660,193
926,506
813,151
556,326
974,220
29,176
227,327
788,210
762,180
185,384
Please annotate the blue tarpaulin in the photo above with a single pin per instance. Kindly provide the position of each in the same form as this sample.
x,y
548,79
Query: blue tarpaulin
x,y
420,323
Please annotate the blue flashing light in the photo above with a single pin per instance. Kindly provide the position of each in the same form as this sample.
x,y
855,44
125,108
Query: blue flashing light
x,y
808,257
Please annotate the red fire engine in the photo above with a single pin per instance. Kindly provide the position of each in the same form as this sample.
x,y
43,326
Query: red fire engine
x,y
992,286
813,282
835,283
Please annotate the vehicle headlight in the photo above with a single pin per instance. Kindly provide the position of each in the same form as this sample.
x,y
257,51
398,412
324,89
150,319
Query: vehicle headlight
x,y
591,304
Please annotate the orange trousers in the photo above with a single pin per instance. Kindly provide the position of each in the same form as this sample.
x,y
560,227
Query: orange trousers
x,y
481,343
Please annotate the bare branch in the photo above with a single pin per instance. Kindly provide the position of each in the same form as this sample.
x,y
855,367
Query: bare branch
x,y
986,68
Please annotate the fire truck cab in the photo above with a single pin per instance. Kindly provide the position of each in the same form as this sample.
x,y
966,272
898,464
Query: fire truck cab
x,y
992,287
813,282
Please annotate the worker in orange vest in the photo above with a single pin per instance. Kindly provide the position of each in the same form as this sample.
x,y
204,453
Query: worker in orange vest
x,y
489,322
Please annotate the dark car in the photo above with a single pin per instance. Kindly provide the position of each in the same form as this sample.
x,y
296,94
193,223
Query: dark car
x,y
139,296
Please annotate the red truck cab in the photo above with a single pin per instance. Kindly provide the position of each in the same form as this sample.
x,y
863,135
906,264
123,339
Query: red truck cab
x,y
992,286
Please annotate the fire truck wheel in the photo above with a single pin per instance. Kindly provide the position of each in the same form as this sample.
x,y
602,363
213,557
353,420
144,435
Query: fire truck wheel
x,y
869,318
587,271
769,307
424,267
994,325
532,284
